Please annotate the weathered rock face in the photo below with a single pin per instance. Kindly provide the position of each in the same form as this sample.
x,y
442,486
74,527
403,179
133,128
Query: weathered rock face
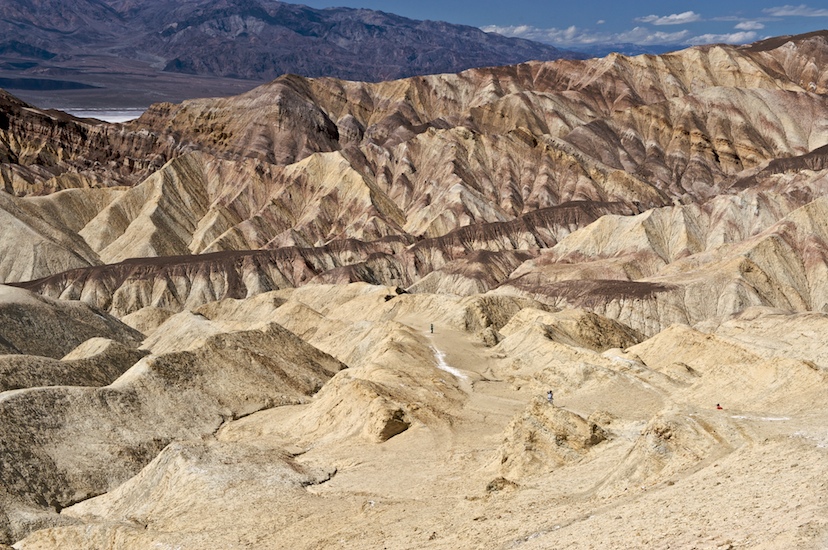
x,y
546,437
64,444
802,60
36,325
96,362
43,152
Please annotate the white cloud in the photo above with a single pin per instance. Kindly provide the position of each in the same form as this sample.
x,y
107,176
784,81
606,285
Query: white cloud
x,y
569,35
796,11
673,19
731,38
600,22
750,26
573,36
644,36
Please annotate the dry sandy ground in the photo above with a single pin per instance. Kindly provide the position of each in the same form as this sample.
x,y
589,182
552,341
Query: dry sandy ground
x,y
491,464
766,487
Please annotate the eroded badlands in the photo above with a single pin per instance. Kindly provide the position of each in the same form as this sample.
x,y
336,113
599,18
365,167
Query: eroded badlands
x,y
216,321
233,432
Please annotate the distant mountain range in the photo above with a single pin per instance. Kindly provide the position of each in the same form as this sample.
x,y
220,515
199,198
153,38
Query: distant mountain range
x,y
85,40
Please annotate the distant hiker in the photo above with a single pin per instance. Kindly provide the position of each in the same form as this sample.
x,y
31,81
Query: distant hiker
x,y
549,396
432,328
719,407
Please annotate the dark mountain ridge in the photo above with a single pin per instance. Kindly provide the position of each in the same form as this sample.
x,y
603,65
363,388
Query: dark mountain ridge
x,y
254,40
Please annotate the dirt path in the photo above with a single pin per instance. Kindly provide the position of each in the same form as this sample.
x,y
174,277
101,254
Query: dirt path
x,y
764,469
675,473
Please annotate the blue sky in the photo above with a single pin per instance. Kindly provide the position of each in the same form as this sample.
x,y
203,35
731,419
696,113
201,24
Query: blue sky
x,y
575,23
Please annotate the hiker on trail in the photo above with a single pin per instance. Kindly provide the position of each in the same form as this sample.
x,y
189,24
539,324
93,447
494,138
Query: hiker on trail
x,y
549,396
718,407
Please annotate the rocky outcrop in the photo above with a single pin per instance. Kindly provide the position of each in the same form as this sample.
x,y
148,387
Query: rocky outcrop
x,y
668,445
37,325
96,362
230,470
179,395
545,437
45,151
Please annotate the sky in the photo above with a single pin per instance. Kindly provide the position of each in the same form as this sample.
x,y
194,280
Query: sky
x,y
585,23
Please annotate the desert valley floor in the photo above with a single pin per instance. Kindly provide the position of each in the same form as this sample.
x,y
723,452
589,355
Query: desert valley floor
x,y
447,440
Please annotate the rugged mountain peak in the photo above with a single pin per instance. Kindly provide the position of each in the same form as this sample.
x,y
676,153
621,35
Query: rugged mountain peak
x,y
254,40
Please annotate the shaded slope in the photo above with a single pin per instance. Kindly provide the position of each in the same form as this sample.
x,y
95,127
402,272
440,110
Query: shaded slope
x,y
96,362
65,444
36,325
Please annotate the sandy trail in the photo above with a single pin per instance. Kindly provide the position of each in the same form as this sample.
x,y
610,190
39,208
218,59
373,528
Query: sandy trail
x,y
674,472
762,459
412,481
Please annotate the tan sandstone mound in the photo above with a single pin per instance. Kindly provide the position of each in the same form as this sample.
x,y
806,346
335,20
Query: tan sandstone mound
x,y
181,332
609,382
770,332
85,441
231,487
715,370
35,325
669,445
545,437
576,328
146,320
96,362
392,384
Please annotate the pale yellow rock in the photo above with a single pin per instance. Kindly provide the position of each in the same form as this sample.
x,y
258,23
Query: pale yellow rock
x,y
428,431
